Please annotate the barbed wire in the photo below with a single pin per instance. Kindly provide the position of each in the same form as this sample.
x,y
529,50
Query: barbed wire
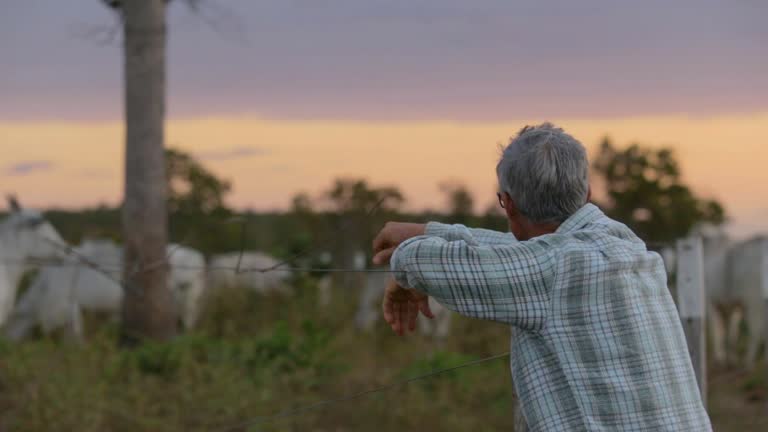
x,y
109,269
286,265
73,257
337,233
116,268
294,412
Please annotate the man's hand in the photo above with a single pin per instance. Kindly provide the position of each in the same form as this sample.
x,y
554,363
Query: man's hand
x,y
391,236
402,305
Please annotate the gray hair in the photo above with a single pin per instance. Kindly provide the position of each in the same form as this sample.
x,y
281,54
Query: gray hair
x,y
544,171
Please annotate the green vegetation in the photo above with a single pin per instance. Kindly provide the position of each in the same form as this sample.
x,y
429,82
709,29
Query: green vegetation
x,y
269,354
645,191
257,356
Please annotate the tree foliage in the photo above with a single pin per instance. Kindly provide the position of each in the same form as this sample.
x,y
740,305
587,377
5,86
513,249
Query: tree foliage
x,y
355,196
358,211
192,188
644,190
199,216
459,200
342,220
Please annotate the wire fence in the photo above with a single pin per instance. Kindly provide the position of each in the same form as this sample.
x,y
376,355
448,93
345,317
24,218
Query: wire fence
x,y
117,267
73,257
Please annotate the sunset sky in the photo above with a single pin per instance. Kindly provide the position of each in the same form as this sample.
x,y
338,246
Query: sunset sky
x,y
282,96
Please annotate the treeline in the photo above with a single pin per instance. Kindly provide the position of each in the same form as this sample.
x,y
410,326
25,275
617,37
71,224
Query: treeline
x,y
282,234
641,186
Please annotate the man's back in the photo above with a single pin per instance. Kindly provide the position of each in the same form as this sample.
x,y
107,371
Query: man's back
x,y
597,343
612,336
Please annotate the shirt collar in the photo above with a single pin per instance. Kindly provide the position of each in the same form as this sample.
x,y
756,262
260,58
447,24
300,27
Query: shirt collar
x,y
583,216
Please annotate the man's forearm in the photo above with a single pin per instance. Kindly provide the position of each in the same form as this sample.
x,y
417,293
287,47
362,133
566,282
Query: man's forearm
x,y
507,283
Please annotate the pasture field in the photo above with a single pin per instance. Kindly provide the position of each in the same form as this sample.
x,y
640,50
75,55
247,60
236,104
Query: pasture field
x,y
254,356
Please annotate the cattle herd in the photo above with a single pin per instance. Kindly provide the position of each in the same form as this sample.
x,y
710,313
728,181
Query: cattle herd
x,y
736,286
69,281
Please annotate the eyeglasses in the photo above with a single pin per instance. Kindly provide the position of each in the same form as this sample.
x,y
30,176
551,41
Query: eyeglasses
x,y
501,201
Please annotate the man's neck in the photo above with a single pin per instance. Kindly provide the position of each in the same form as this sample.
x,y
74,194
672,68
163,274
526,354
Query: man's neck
x,y
531,230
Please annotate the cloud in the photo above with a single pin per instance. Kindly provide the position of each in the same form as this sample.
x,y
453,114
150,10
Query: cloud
x,y
27,167
409,60
233,153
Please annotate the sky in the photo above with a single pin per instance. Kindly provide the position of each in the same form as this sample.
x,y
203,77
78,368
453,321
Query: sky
x,y
282,96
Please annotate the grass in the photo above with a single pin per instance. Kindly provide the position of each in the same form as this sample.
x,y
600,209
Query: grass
x,y
256,356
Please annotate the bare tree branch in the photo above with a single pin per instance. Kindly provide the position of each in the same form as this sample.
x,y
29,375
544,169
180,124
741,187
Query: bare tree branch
x,y
222,20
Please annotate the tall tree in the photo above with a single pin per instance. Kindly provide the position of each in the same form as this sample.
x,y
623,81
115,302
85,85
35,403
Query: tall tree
x,y
359,208
645,191
459,201
148,310
192,188
357,196
199,217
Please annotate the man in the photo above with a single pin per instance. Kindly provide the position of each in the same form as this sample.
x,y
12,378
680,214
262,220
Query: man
x,y
597,344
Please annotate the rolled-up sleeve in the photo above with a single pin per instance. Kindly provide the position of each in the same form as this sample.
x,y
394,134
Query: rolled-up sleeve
x,y
508,281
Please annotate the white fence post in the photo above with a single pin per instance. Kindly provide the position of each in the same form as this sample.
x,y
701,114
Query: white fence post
x,y
691,303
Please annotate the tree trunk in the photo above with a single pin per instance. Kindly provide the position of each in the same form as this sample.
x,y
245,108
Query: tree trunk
x,y
148,304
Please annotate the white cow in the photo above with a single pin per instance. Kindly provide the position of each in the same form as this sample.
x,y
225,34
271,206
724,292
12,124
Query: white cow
x,y
24,235
187,280
438,327
369,309
733,280
747,265
369,305
222,272
60,293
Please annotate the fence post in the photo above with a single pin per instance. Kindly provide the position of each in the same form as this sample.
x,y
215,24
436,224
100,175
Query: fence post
x,y
691,305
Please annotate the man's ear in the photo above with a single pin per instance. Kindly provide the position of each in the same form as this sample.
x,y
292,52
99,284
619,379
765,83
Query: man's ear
x,y
510,208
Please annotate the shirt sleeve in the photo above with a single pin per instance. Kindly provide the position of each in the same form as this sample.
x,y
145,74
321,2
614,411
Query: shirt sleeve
x,y
507,282
473,236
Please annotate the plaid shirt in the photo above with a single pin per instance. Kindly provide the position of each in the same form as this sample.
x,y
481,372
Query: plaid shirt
x,y
597,344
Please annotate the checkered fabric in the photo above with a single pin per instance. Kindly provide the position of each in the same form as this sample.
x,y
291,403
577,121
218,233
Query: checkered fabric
x,y
597,344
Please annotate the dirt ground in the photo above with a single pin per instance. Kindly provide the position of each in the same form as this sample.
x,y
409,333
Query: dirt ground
x,y
737,401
